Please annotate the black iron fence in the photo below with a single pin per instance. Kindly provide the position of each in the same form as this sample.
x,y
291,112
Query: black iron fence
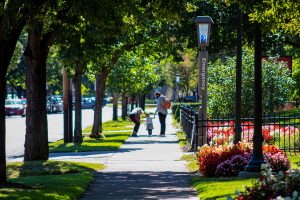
x,y
280,129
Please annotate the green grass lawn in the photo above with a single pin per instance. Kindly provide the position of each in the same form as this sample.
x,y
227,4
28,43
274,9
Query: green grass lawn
x,y
48,180
111,142
294,113
294,158
219,188
113,126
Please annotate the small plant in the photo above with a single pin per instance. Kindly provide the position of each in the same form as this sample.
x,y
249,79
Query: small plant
x,y
274,186
278,161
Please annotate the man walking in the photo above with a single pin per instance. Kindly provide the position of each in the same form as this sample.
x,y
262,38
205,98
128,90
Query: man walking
x,y
162,113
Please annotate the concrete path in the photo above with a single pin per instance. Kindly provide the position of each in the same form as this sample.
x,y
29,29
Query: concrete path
x,y
144,168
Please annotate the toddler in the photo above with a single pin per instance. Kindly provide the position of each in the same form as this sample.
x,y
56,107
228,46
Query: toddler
x,y
149,124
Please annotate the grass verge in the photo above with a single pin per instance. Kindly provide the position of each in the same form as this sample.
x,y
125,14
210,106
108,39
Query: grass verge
x,y
294,113
294,159
219,188
112,126
111,142
48,180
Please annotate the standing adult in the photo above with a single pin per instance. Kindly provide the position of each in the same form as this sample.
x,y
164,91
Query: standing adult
x,y
135,117
162,112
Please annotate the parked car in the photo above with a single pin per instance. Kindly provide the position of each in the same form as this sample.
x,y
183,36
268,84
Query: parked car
x,y
54,104
87,103
189,99
15,107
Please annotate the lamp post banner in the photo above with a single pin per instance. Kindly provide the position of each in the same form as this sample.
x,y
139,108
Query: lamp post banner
x,y
202,67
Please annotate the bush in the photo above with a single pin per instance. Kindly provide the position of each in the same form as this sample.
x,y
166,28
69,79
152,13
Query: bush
x,y
176,108
274,186
233,166
209,157
232,159
278,161
225,169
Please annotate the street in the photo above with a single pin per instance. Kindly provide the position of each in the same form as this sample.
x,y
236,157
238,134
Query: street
x,y
15,129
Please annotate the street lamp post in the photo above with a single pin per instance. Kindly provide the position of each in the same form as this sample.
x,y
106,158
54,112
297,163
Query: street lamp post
x,y
238,82
203,24
177,87
253,168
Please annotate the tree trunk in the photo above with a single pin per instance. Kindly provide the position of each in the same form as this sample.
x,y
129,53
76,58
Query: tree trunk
x,y
8,41
100,91
2,126
124,106
19,90
132,103
12,92
78,123
10,30
142,101
36,139
67,100
136,99
115,106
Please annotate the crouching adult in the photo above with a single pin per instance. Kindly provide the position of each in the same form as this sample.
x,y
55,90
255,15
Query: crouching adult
x,y
135,117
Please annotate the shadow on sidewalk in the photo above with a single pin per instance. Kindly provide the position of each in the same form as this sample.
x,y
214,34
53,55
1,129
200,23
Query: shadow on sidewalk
x,y
141,185
151,142
91,153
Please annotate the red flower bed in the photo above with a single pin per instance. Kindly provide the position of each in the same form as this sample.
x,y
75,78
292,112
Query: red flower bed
x,y
209,157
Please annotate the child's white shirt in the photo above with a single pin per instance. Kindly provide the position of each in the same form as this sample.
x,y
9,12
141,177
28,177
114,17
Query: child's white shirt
x,y
148,120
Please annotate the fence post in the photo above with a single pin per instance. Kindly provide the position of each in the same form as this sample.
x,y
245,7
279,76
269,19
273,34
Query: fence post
x,y
202,130
195,143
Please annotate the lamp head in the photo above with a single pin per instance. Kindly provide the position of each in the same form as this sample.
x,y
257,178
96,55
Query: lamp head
x,y
203,29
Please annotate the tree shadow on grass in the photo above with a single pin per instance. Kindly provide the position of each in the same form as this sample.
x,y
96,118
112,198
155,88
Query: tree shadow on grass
x,y
66,186
42,168
151,142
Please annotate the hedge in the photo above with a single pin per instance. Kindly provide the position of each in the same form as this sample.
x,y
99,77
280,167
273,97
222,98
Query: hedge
x,y
176,108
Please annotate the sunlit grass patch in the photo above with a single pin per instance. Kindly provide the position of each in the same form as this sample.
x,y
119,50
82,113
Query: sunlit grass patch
x,y
219,188
48,180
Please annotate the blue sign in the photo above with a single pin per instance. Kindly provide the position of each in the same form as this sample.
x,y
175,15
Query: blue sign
x,y
203,39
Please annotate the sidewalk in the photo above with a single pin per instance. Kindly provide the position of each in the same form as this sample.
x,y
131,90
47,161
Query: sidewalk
x,y
143,168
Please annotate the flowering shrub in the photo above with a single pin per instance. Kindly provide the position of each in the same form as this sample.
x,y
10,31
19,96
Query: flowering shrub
x,y
277,161
271,149
209,157
274,186
229,160
224,169
239,162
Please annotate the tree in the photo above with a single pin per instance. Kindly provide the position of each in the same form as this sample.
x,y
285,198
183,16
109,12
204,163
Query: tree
x,y
36,53
276,83
14,15
137,75
276,15
15,74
